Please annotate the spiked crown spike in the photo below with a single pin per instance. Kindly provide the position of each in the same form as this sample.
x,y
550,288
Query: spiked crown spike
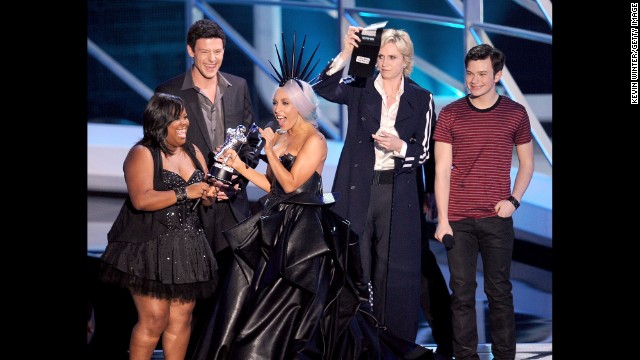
x,y
292,71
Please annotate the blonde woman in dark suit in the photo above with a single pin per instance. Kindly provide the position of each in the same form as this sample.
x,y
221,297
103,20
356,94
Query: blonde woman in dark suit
x,y
387,140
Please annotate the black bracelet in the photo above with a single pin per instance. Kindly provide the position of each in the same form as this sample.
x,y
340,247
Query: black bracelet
x,y
181,194
514,201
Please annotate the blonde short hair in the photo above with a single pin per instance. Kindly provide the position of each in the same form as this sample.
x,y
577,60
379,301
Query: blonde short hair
x,y
403,42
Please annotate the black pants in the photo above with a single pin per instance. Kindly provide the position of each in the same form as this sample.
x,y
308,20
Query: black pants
x,y
399,314
493,237
374,246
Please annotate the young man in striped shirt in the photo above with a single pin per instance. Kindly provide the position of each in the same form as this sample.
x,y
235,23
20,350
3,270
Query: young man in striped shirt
x,y
474,141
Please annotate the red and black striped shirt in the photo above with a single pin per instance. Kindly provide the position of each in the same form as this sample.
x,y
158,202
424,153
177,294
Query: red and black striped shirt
x,y
482,143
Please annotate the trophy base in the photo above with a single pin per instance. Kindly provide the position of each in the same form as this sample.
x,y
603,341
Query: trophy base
x,y
222,172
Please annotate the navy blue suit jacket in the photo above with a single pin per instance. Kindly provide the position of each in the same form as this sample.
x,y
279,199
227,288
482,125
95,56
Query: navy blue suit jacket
x,y
354,175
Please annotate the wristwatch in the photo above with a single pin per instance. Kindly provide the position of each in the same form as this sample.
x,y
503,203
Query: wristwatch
x,y
515,202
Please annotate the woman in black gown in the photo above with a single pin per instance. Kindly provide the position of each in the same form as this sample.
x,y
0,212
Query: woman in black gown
x,y
294,289
157,248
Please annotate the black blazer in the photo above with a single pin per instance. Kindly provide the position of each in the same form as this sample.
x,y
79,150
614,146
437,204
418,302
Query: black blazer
x,y
236,103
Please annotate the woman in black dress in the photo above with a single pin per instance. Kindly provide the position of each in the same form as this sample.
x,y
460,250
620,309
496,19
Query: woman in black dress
x,y
156,246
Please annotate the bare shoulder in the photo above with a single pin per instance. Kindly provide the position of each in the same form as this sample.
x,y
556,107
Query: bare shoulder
x,y
196,148
199,155
138,152
318,136
316,142
317,139
138,158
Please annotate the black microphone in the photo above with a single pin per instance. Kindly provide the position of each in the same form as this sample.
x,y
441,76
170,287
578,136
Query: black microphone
x,y
273,125
196,204
206,178
448,241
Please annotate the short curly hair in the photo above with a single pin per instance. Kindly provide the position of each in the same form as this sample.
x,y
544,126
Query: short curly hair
x,y
483,51
205,29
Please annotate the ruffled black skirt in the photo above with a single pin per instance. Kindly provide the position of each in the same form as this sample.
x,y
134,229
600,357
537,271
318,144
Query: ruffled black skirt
x,y
178,265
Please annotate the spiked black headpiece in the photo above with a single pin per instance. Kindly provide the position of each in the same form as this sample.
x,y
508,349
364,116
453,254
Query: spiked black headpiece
x,y
292,71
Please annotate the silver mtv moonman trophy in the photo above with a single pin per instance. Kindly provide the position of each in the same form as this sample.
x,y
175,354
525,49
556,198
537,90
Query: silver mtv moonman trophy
x,y
235,139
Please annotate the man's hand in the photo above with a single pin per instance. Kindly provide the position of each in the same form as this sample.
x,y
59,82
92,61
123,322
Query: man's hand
x,y
504,208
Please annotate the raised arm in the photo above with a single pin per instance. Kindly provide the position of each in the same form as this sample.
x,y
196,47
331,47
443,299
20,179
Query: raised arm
x,y
350,41
330,85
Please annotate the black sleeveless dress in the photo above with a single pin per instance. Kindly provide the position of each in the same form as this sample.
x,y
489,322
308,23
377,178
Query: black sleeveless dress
x,y
177,263
294,289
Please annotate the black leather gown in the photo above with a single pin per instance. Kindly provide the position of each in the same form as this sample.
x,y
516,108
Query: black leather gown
x,y
294,289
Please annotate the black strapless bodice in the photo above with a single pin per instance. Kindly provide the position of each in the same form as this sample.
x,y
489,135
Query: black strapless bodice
x,y
308,193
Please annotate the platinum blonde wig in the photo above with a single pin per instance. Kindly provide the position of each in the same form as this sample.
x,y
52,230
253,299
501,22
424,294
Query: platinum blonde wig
x,y
303,98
